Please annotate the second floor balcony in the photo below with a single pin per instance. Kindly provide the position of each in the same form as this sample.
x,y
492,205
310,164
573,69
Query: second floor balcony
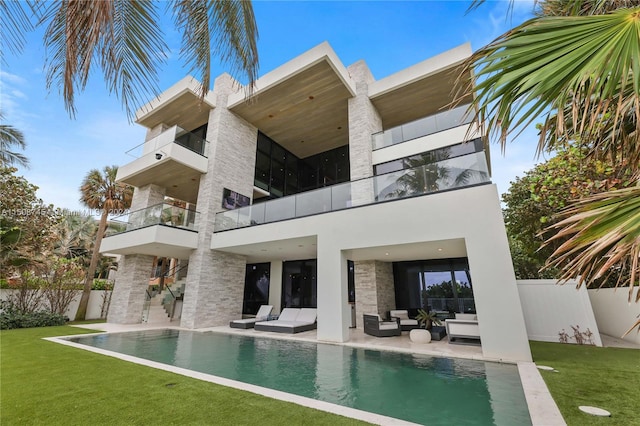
x,y
423,127
162,230
449,174
175,159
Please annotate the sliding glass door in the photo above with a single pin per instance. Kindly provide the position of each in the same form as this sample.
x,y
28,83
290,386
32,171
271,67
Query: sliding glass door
x,y
435,285
299,285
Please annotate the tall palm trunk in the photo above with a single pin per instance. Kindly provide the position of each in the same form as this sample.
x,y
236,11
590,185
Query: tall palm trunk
x,y
88,283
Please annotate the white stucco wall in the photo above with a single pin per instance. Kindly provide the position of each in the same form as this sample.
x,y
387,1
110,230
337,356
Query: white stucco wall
x,y
614,314
471,214
549,308
93,309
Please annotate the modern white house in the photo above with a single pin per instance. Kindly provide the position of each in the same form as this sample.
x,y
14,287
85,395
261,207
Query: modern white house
x,y
327,189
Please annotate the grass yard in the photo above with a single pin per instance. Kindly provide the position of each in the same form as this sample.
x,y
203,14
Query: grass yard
x,y
46,383
607,378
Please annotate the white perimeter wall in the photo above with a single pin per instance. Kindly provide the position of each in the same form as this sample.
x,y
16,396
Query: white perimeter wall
x,y
93,310
614,314
549,308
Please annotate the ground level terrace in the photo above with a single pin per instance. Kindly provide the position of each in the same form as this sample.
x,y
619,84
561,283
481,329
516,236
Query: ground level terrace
x,y
460,224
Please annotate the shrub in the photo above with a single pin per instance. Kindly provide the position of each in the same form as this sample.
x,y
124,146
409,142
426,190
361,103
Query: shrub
x,y
99,284
11,317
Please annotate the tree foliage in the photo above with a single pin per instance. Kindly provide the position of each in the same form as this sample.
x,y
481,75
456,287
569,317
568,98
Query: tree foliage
x,y
25,221
534,200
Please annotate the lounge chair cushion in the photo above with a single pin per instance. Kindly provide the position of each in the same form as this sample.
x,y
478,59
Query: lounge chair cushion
x,y
263,312
408,322
288,314
307,315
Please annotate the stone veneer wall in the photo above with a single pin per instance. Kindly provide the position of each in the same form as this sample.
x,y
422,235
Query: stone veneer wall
x,y
364,120
215,283
374,288
128,295
129,289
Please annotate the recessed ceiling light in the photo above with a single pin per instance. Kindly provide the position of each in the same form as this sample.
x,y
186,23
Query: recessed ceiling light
x,y
310,97
386,254
439,249
270,115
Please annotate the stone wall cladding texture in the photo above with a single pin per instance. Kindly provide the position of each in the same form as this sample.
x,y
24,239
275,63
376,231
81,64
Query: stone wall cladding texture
x,y
215,283
129,291
364,121
145,196
375,293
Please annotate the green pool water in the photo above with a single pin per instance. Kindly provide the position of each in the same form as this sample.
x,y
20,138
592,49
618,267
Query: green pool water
x,y
416,388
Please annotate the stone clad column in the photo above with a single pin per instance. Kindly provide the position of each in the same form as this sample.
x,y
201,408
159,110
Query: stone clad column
x,y
215,282
128,295
131,283
364,121
375,293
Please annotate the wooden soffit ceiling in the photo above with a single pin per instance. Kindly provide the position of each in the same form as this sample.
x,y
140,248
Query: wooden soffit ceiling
x,y
306,113
421,97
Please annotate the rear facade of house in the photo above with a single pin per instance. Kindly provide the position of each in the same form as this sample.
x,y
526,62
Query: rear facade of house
x,y
324,188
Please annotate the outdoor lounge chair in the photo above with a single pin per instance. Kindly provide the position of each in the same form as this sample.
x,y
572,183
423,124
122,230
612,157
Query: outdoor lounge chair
x,y
262,315
291,320
374,326
406,323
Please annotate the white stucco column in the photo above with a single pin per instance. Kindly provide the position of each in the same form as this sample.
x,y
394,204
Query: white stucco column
x,y
275,286
334,311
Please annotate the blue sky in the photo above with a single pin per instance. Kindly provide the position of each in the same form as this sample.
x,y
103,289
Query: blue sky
x,y
388,36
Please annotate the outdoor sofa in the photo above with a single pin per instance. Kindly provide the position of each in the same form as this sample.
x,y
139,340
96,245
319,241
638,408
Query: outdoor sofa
x,y
406,323
464,329
291,320
262,315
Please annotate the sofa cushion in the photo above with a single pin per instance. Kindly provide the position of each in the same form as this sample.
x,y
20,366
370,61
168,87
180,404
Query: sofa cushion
x,y
402,314
388,326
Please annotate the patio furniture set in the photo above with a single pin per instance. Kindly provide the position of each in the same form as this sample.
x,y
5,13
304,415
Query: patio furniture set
x,y
463,329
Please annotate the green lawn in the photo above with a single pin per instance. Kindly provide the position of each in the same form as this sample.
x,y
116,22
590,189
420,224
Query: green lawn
x,y
608,378
50,384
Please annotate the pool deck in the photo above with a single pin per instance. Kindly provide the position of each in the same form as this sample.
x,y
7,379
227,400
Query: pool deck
x,y
542,408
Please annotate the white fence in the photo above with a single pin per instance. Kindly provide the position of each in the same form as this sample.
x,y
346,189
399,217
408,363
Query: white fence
x,y
93,309
615,315
550,308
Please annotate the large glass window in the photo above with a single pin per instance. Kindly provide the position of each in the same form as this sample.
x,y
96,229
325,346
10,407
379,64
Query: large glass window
x,y
256,287
282,173
430,157
299,285
435,285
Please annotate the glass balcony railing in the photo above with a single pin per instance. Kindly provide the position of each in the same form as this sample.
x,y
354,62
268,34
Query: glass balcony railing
x,y
159,214
422,127
176,135
454,173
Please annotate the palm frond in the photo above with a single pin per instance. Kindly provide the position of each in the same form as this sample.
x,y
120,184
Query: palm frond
x,y
604,235
11,137
226,28
549,64
15,23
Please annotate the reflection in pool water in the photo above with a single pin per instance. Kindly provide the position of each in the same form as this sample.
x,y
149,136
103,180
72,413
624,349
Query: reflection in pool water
x,y
416,388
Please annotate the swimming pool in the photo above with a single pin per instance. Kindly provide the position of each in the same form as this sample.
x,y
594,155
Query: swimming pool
x,y
416,388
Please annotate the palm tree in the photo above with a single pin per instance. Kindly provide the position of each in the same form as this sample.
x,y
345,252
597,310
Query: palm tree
x,y
75,235
577,64
11,137
100,191
125,38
